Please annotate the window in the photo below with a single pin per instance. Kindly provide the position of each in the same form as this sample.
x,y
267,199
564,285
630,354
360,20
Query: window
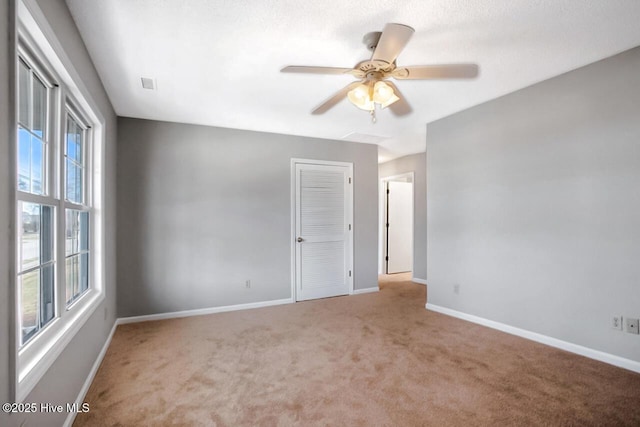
x,y
59,272
36,258
77,218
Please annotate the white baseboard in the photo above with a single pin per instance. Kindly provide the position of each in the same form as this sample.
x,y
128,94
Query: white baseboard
x,y
365,290
421,281
601,356
202,311
92,373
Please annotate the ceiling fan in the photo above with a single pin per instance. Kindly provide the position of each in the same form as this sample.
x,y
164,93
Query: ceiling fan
x,y
374,86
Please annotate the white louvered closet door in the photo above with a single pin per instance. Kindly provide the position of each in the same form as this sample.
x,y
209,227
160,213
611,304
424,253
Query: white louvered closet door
x,y
323,231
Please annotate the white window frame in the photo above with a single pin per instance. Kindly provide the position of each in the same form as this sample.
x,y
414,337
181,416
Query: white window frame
x,y
48,197
40,47
86,205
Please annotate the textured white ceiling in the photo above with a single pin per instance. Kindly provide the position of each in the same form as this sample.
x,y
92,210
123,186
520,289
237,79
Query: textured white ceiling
x,y
217,62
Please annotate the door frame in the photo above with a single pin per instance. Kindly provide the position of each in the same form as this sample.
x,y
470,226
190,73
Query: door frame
x,y
350,246
382,231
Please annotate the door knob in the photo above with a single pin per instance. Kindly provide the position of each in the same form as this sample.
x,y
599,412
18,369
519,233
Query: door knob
x,y
300,239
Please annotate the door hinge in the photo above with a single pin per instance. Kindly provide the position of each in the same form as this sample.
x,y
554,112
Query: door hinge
x,y
349,180
349,273
386,258
349,227
387,191
387,225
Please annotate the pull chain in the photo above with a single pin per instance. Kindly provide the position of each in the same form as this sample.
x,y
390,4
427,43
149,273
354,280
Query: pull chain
x,y
373,115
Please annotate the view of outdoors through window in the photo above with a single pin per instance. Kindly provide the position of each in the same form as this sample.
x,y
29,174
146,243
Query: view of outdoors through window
x,y
31,132
74,161
77,254
42,204
76,221
36,269
36,276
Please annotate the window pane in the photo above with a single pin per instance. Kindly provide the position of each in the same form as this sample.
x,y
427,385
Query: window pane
x,y
71,139
73,232
79,141
84,231
77,231
74,183
39,107
73,277
36,287
77,243
29,286
75,136
47,304
77,276
84,272
24,160
30,236
78,194
24,95
46,233
70,183
37,166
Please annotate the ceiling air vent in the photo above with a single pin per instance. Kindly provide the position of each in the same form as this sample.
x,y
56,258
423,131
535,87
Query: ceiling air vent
x,y
363,137
148,83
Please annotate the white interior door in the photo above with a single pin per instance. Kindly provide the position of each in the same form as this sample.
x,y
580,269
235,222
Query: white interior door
x,y
323,218
400,229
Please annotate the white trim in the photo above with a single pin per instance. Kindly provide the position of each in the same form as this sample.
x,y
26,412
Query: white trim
x,y
92,374
382,213
601,356
420,281
366,290
319,162
202,311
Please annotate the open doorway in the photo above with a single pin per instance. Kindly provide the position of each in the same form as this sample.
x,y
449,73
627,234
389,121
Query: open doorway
x,y
396,224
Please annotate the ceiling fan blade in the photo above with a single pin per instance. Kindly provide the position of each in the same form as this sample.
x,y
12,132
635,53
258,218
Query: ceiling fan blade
x,y
401,107
445,71
331,102
315,70
393,39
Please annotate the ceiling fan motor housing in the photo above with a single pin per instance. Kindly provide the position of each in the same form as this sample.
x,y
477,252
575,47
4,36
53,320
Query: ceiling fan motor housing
x,y
371,40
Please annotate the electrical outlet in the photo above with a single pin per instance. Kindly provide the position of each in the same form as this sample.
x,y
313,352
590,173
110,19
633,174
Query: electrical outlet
x,y
632,325
456,289
616,322
247,284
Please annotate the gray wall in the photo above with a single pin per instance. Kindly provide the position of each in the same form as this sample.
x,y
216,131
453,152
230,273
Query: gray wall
x,y
533,206
417,164
203,209
67,375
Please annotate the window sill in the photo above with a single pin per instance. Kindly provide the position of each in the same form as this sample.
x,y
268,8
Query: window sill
x,y
35,359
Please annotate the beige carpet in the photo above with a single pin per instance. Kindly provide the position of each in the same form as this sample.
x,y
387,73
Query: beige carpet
x,y
364,360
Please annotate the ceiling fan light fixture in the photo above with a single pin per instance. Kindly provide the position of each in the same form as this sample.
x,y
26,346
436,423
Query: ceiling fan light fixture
x,y
360,97
383,94
365,96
